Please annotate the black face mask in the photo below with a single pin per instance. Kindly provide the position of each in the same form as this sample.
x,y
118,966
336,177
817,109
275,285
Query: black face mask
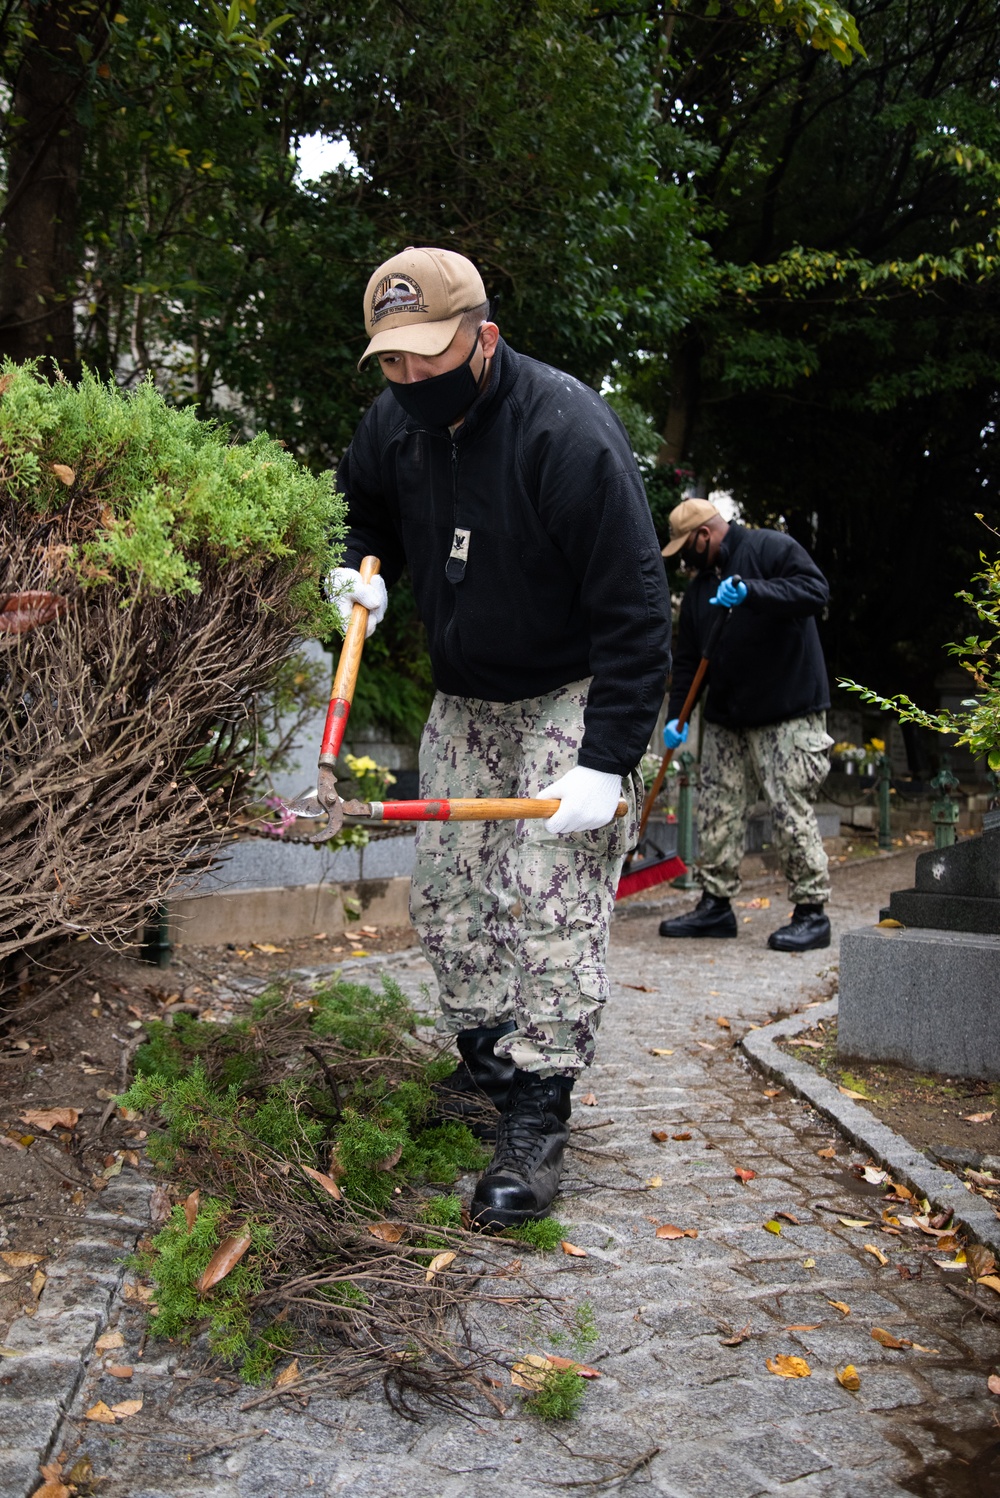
x,y
443,399
696,560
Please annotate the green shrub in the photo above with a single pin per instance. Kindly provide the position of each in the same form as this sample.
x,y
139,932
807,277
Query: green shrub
x,y
559,1395
361,1019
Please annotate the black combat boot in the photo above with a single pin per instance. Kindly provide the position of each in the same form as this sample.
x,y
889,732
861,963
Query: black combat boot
x,y
808,931
712,916
521,1181
480,1083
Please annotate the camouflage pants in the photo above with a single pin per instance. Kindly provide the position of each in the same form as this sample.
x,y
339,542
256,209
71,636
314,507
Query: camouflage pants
x,y
513,919
784,762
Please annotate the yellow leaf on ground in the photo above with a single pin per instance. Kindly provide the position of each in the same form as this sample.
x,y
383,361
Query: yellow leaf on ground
x,y
267,946
890,924
827,1154
328,1184
849,1378
670,1230
658,1052
288,1375
888,1339
876,1253
439,1262
53,1488
38,1283
967,1117
992,1280
589,1100
127,1407
100,1413
723,1023
856,1222
917,1347
772,1227
226,1257
848,1092
786,1366
800,1326
389,1232
109,1340
808,1263
530,1372
17,1259
51,1118
654,1182
772,1091
573,1251
841,1306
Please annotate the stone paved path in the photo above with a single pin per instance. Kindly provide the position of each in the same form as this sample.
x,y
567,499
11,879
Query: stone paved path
x,y
922,1423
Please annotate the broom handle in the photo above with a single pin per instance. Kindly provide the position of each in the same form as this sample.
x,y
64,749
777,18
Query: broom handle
x,y
684,715
470,809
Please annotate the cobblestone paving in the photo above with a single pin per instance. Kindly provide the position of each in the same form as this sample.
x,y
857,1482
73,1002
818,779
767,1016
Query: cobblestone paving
x,y
921,1423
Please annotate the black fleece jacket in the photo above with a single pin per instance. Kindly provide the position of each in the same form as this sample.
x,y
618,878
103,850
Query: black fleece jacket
x,y
560,576
768,664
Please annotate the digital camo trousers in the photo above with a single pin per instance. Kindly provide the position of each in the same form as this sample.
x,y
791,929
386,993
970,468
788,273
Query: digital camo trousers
x,y
513,919
786,763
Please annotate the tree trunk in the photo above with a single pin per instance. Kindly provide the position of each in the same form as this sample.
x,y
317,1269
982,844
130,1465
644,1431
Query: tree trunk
x,y
39,218
685,389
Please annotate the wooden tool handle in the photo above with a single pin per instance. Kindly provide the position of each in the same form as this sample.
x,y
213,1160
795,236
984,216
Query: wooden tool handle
x,y
346,677
354,639
473,809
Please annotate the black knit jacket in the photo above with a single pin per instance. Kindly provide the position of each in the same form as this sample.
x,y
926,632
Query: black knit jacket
x,y
560,576
768,663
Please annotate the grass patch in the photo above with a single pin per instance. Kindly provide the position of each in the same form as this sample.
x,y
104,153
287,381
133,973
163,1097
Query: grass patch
x,y
545,1236
558,1396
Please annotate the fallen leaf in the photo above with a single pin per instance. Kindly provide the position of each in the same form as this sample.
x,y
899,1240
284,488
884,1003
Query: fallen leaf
x,y
737,1338
108,1341
389,1232
888,1339
38,1283
705,1045
328,1184
573,1251
51,1118
657,1052
127,1407
772,1226
660,1135
288,1375
680,1137
723,1023
269,947
917,1347
786,1366
64,473
890,925
439,1262
670,1230
875,1177
980,1260
589,1100
876,1253
654,1182
801,1326
856,1222
848,1378
814,1045
391,1161
53,1488
992,1280
993,1383
968,1117
20,1260
958,1262
10,1352
580,1368
848,1092
789,1217
119,1370
226,1257
949,1244
191,1208
530,1372
101,1413
828,1154
640,987
808,1263
744,1175
143,1295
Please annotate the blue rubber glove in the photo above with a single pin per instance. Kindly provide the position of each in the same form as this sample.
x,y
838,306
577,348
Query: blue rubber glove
x,y
673,736
729,594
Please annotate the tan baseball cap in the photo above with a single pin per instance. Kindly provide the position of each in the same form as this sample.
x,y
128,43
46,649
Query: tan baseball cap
x,y
685,518
415,301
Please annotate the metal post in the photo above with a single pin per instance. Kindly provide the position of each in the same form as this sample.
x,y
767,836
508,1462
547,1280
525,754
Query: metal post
x,y
157,947
685,819
945,810
884,790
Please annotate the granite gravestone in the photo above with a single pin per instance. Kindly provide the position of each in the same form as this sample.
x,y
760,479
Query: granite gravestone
x,y
926,992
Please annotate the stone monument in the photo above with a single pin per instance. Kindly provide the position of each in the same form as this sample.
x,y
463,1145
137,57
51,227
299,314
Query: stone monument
x,y
926,992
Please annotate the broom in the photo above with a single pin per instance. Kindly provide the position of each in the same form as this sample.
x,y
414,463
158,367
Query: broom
x,y
663,869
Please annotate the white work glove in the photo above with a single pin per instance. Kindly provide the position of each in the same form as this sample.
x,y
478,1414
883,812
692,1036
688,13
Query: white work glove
x,y
344,588
588,799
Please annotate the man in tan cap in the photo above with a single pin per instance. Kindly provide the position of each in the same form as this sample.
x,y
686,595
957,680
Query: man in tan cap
x,y
510,491
765,714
